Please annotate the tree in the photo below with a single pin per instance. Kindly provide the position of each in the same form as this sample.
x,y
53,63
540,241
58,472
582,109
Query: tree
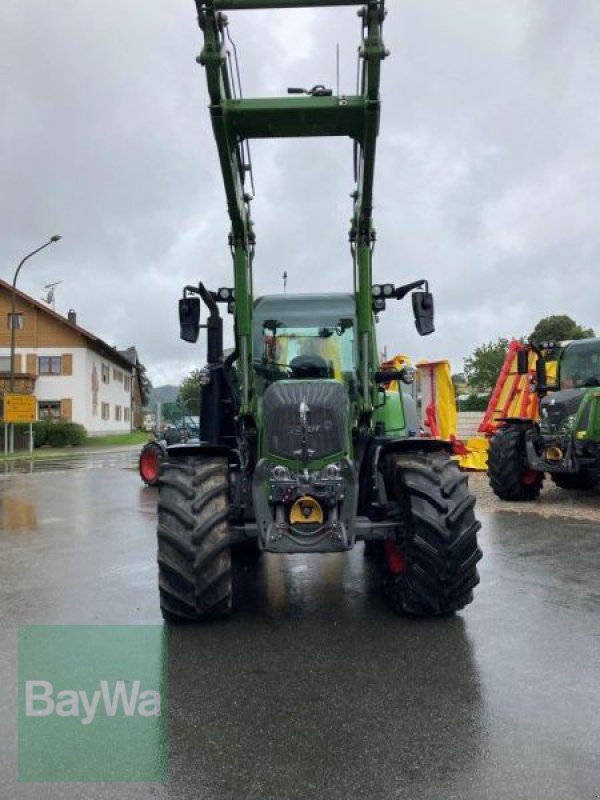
x,y
189,393
458,380
559,328
145,383
171,413
483,366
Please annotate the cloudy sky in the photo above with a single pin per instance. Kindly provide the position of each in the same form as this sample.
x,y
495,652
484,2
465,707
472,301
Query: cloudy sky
x,y
488,175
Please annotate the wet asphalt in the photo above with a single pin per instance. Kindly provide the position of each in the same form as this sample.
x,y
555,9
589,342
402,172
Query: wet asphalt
x,y
314,689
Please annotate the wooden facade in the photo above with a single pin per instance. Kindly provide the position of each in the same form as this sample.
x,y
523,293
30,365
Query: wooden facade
x,y
46,347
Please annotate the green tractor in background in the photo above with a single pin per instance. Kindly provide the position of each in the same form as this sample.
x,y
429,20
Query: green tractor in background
x,y
565,443
303,448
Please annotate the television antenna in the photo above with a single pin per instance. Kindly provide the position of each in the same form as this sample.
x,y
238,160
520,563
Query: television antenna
x,y
49,298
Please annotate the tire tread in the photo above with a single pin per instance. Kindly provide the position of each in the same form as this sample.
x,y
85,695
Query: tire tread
x,y
438,535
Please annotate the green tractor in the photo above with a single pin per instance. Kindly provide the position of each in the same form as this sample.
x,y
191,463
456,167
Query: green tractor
x,y
565,443
303,448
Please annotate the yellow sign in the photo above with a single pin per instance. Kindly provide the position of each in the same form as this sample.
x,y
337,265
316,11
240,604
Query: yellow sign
x,y
19,408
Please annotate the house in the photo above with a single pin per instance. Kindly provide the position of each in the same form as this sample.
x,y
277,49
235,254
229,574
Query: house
x,y
137,389
73,374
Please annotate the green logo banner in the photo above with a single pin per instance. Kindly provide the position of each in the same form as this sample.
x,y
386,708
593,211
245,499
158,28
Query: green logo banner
x,y
93,703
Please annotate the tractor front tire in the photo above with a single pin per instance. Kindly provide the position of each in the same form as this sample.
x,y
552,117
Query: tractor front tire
x,y
151,457
510,478
431,567
574,480
194,554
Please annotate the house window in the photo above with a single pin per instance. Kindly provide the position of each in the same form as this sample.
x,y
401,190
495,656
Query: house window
x,y
117,375
4,363
105,411
105,373
127,383
49,365
49,409
15,321
126,414
118,413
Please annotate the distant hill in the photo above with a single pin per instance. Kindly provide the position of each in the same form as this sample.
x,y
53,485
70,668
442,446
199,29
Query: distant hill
x,y
162,394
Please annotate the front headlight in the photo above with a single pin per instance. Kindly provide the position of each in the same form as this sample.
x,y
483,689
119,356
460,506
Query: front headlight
x,y
331,472
280,473
408,374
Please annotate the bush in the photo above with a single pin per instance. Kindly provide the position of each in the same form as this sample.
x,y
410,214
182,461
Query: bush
x,y
40,434
473,403
61,434
52,433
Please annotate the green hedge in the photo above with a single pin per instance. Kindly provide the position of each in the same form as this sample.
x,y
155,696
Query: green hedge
x,y
473,403
53,433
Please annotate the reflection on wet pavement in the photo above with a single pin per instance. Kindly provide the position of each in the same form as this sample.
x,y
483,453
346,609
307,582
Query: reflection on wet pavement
x,y
16,515
87,460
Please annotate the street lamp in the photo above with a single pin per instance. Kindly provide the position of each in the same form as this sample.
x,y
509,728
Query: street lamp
x,y
13,314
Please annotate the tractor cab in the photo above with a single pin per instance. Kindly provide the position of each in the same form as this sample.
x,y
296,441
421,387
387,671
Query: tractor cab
x,y
579,365
567,407
305,337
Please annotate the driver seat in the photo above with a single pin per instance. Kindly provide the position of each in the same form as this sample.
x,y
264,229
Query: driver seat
x,y
310,366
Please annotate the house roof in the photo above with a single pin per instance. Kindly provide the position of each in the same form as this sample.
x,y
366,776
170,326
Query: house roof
x,y
97,344
130,353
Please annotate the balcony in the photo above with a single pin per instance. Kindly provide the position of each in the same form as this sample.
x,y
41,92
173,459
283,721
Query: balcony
x,y
24,382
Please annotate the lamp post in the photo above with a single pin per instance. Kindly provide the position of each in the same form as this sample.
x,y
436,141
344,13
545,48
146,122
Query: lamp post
x,y
13,328
13,314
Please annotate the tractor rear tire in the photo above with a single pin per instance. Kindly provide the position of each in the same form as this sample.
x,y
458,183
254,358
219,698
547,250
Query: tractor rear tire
x,y
574,480
510,478
431,568
151,457
194,554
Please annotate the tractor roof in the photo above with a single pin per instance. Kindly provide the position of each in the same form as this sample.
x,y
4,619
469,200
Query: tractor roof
x,y
583,346
305,310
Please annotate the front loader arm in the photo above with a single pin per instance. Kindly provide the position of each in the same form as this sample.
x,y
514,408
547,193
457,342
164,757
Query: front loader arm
x,y
236,120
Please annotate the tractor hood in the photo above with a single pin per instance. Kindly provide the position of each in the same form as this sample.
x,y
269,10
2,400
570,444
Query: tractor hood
x,y
558,410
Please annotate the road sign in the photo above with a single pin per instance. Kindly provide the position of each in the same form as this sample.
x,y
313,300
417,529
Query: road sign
x,y
19,408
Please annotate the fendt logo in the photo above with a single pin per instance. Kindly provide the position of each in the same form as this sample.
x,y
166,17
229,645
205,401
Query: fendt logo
x,y
42,701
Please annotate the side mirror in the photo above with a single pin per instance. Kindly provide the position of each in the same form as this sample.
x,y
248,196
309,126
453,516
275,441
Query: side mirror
x,y
387,376
422,303
523,362
406,374
189,319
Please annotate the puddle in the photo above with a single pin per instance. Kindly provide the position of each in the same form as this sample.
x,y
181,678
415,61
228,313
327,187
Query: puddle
x,y
26,466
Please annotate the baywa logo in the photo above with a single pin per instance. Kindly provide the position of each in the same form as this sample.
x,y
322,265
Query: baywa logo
x,y
41,701
92,703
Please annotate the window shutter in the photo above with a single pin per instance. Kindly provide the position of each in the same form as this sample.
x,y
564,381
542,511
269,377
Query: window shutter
x,y
31,364
17,363
67,364
66,408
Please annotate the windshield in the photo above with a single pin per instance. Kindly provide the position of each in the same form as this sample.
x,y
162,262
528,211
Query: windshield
x,y
301,352
580,365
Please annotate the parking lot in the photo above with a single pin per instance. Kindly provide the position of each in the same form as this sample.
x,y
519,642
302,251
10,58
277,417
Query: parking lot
x,y
314,688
